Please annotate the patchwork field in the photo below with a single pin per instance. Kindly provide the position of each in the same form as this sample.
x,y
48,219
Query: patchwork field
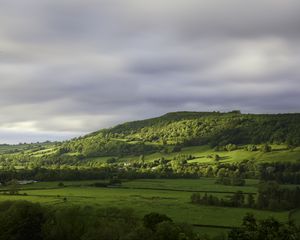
x,y
171,197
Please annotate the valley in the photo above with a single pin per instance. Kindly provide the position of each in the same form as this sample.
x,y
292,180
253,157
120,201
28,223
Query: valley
x,y
206,170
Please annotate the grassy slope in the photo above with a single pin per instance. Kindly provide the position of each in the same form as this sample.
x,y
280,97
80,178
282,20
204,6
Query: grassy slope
x,y
280,153
125,132
32,148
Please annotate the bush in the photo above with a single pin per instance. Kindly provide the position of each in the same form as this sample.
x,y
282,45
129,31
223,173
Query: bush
x,y
176,148
61,184
21,220
266,148
251,148
230,147
152,219
111,160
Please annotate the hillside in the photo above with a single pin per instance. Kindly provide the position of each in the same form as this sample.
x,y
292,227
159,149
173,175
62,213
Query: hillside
x,y
190,129
166,137
195,167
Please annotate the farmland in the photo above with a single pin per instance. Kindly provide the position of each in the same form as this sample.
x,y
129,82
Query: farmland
x,y
170,197
206,170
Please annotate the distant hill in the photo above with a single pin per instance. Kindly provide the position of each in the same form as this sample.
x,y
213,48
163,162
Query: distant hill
x,y
189,129
161,135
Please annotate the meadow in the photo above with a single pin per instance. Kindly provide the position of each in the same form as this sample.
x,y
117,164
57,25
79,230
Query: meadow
x,y
170,197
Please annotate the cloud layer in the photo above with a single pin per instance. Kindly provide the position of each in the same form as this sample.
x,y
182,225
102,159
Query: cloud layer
x,y
68,67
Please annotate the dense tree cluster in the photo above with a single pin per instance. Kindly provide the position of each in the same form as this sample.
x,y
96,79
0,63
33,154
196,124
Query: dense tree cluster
x,y
273,197
270,196
267,229
99,146
281,172
235,200
21,220
233,181
24,220
215,128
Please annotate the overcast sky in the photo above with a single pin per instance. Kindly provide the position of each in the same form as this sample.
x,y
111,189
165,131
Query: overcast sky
x,y
69,67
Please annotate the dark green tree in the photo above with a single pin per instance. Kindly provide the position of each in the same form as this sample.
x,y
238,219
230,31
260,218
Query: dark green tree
x,y
152,219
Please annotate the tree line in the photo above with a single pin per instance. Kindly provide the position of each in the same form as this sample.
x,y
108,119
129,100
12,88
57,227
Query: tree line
x,y
21,220
237,199
25,220
266,229
270,196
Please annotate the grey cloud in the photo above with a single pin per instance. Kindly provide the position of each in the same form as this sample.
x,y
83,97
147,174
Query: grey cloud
x,y
70,67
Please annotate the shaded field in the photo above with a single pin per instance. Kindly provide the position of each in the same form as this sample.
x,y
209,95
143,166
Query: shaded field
x,y
192,185
143,196
175,204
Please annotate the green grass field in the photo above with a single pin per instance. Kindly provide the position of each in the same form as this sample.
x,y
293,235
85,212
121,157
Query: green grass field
x,y
203,184
150,196
171,197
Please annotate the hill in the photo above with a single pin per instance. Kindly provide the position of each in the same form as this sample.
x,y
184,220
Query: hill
x,y
164,137
190,129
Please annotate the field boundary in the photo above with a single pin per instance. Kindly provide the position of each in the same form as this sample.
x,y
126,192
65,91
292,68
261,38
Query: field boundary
x,y
183,190
213,226
31,189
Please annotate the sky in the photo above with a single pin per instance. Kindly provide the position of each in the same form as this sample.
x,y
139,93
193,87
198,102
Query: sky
x,y
69,67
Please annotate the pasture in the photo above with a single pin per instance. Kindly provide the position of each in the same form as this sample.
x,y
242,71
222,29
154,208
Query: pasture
x,y
171,197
